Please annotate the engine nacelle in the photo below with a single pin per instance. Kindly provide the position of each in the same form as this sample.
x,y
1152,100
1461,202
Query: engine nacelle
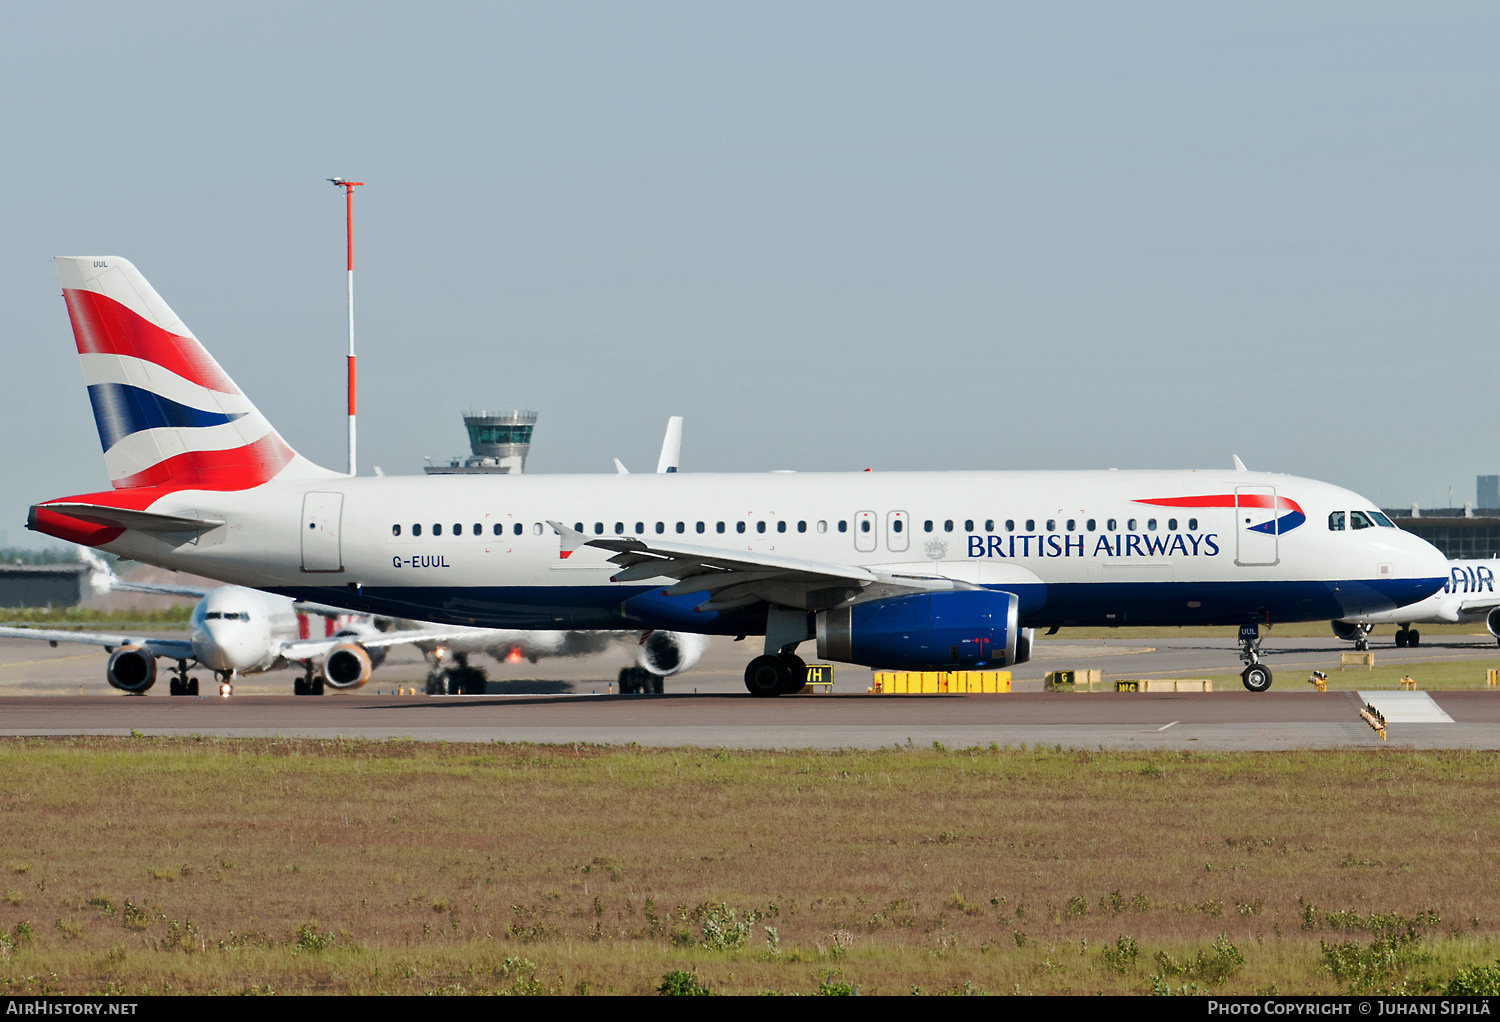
x,y
131,669
1350,630
347,665
1492,622
945,631
376,655
665,653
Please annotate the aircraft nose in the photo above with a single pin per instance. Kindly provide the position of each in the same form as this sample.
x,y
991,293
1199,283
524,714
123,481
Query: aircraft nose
x,y
221,648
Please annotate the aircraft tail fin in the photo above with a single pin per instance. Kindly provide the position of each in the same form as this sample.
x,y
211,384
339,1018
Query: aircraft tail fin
x,y
167,414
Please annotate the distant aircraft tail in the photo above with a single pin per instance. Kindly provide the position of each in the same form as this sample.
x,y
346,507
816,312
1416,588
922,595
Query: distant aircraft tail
x,y
168,416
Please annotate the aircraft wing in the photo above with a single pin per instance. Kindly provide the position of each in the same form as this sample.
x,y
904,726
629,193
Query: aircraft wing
x,y
737,578
175,649
1480,603
157,588
317,647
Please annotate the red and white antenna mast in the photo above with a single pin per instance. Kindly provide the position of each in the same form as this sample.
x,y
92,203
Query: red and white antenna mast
x,y
348,187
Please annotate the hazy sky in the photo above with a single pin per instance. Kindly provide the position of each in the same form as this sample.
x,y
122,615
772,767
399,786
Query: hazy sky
x,y
832,236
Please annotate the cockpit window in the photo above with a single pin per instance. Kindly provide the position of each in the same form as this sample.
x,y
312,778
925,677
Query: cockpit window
x,y
1336,521
1382,521
214,615
1359,520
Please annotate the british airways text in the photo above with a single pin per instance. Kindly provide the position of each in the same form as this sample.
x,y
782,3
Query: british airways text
x,y
1128,544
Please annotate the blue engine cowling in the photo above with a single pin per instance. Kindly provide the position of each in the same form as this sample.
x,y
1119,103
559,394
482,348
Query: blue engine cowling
x,y
947,631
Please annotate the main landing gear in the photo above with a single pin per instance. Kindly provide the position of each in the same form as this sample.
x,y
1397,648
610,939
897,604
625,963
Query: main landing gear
x,y
638,680
456,678
309,684
1256,675
776,674
182,685
1407,636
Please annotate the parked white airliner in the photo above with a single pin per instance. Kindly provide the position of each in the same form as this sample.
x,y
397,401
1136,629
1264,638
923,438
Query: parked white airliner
x,y
919,570
1468,597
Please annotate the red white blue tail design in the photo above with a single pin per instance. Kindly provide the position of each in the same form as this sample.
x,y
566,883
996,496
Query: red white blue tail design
x,y
168,416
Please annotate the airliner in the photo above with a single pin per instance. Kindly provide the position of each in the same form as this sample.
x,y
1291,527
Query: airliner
x,y
900,570
234,631
1467,597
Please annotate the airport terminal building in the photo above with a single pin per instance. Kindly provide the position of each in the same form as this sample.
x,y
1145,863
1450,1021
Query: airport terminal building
x,y
1461,533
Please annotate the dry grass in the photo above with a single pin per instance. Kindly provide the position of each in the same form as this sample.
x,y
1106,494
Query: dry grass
x,y
141,865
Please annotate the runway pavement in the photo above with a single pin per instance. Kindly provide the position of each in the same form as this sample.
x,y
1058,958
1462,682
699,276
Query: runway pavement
x,y
1230,720
47,691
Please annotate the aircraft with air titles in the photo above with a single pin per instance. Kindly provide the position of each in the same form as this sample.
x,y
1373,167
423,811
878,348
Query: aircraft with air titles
x,y
902,570
1468,597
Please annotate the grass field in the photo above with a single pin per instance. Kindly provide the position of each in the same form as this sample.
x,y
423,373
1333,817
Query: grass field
x,y
1430,676
272,866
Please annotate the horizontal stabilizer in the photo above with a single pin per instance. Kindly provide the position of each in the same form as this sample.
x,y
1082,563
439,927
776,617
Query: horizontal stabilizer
x,y
124,518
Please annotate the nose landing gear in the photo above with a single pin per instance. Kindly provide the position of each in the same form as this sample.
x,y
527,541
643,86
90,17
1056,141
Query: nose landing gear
x,y
1256,676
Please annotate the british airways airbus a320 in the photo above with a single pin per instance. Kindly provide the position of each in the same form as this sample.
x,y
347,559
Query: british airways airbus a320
x,y
904,570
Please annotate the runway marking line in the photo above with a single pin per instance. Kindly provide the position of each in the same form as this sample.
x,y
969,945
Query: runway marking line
x,y
1163,728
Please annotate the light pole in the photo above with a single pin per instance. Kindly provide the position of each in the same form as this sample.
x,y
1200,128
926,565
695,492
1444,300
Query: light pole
x,y
348,187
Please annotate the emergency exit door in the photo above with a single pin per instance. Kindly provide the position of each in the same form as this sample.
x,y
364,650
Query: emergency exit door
x,y
321,513
1255,526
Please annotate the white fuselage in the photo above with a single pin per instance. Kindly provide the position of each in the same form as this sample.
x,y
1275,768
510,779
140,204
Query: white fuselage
x,y
1467,596
243,630
1080,547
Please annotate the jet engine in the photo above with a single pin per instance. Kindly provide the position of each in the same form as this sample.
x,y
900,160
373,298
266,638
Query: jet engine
x,y
946,631
376,656
131,669
1350,630
664,653
346,666
1492,622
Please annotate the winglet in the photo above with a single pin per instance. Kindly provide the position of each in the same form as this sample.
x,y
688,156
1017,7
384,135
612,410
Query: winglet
x,y
620,469
671,446
1239,466
572,539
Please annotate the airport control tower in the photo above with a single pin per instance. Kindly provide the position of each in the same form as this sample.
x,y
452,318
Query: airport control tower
x,y
499,441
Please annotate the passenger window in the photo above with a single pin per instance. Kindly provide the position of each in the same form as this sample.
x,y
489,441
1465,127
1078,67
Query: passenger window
x,y
1072,525
719,526
864,525
1130,525
577,526
989,525
1171,525
640,528
739,526
1052,525
1031,525
801,526
598,528
1150,524
517,529
437,530
395,530
822,526
1359,520
500,529
536,528
760,527
781,526
619,528
416,530
948,525
1112,525
1010,525
661,527
1192,525
701,527
843,526
681,527
1089,525
458,529
896,525
478,529
927,525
